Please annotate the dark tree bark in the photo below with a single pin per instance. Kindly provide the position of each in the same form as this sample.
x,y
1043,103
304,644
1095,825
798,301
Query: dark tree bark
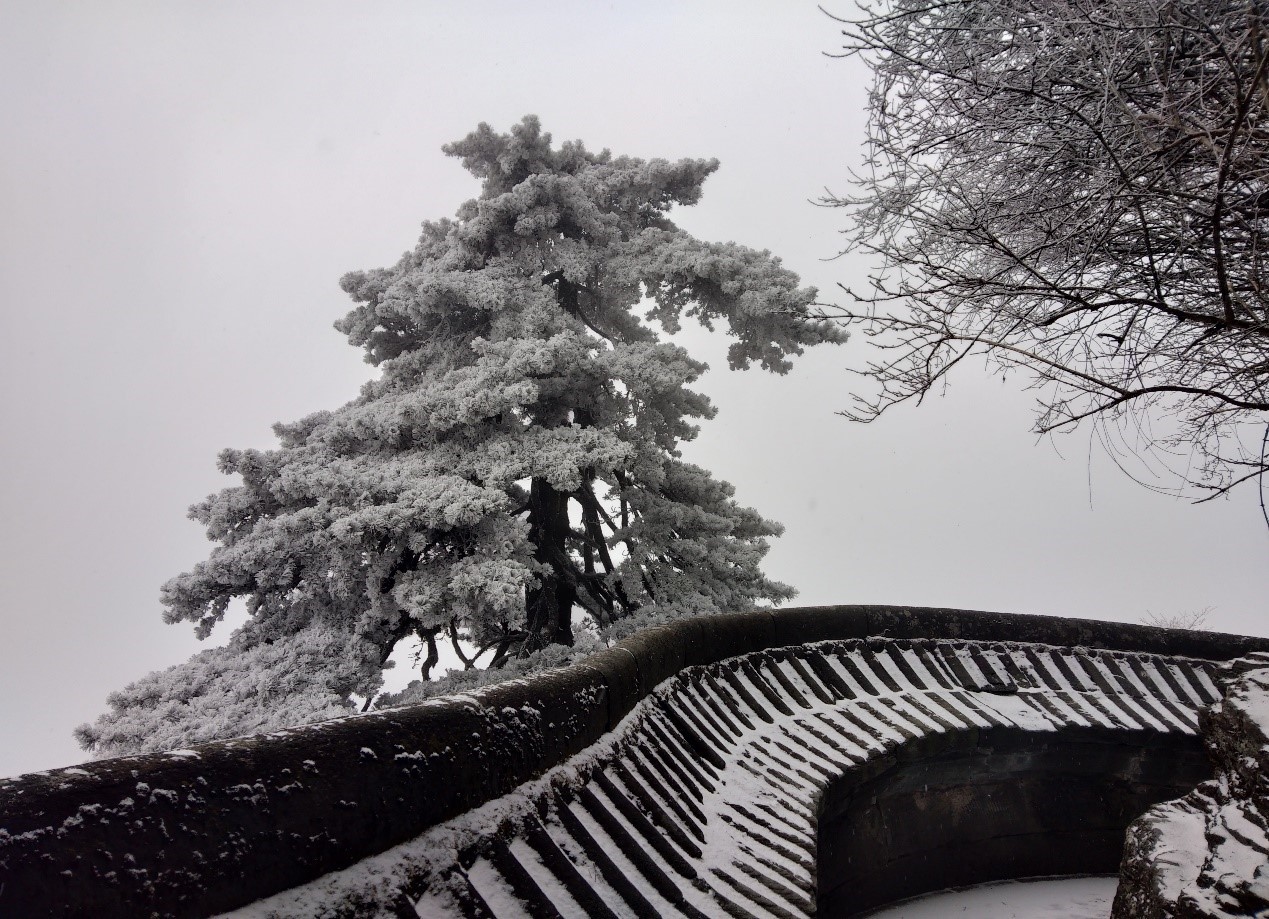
x,y
550,602
429,637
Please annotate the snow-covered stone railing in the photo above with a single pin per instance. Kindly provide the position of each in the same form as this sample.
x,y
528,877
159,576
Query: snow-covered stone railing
x,y
473,789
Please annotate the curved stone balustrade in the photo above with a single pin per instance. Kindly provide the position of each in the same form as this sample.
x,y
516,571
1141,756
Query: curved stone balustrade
x,y
731,789
884,768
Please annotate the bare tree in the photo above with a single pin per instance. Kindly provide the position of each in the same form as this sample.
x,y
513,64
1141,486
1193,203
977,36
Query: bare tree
x,y
1192,620
1079,188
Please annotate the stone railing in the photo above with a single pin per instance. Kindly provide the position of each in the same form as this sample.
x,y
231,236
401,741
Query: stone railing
x,y
201,831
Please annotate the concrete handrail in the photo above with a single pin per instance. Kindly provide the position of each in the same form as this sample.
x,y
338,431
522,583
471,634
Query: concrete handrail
x,y
200,831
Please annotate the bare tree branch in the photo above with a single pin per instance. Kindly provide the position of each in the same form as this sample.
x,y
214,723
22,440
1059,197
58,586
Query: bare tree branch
x,y
1077,188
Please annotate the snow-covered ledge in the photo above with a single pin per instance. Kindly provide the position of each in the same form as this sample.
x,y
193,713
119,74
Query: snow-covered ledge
x,y
201,831
1206,855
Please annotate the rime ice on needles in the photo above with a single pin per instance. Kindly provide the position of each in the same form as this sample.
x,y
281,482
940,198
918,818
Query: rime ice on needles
x,y
514,467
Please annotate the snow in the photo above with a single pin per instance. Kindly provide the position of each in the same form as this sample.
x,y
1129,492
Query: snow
x,y
1062,898
1019,711
401,513
495,891
1181,850
755,815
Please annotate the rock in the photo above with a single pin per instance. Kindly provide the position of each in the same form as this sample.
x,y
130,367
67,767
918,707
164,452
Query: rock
x,y
1207,854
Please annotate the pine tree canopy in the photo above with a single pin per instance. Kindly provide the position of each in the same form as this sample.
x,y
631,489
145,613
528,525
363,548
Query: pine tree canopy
x,y
511,484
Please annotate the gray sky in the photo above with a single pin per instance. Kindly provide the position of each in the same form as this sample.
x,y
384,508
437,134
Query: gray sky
x,y
182,184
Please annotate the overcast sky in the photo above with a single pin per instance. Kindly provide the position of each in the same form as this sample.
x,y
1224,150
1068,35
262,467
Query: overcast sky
x,y
182,185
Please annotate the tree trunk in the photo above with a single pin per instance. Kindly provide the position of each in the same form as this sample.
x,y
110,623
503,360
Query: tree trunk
x,y
429,637
550,603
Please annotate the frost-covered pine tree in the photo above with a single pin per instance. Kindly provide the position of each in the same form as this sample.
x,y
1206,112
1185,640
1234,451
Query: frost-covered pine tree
x,y
511,484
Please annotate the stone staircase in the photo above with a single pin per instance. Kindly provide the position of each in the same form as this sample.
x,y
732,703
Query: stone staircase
x,y
762,764
707,802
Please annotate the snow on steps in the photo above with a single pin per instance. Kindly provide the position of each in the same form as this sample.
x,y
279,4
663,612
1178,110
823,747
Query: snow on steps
x,y
225,824
705,801
1206,855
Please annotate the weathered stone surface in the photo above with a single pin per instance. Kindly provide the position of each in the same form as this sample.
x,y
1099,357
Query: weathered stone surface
x,y
196,832
821,779
1206,855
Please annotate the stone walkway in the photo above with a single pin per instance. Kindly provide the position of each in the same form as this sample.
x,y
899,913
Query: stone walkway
x,y
708,800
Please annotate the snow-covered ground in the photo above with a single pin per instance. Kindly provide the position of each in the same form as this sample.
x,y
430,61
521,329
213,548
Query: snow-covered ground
x,y
1064,898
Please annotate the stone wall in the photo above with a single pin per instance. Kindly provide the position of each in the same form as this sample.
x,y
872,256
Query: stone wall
x,y
1206,855
201,831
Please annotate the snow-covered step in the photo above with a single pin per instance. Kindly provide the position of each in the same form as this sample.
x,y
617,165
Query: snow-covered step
x,y
707,801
